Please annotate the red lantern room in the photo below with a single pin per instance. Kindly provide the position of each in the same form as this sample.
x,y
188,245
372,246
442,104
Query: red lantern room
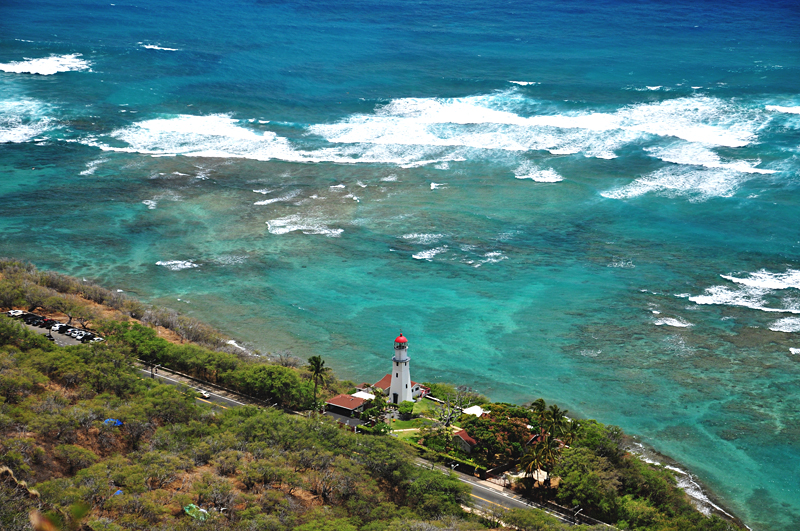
x,y
401,342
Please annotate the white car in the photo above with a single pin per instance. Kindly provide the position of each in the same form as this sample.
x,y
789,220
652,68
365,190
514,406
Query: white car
x,y
204,394
96,340
15,313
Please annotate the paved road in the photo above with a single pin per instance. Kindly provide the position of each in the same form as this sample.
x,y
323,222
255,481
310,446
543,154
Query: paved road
x,y
488,497
214,398
485,496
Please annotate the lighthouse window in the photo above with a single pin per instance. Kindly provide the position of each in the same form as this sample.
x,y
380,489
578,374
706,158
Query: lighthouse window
x,y
406,386
397,375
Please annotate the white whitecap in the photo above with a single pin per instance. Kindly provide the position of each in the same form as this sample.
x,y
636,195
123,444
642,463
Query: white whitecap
x,y
784,109
306,225
23,120
787,324
436,186
751,291
525,83
795,351
423,238
528,170
92,166
697,184
621,263
695,154
177,265
670,321
157,47
286,197
491,257
151,205
429,254
47,66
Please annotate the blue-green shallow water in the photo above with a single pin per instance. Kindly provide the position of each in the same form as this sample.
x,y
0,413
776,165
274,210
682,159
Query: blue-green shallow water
x,y
593,202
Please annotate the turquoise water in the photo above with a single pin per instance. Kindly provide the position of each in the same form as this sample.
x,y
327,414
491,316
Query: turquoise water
x,y
592,202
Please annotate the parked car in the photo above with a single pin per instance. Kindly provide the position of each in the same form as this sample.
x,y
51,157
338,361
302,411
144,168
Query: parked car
x,y
96,339
58,327
47,323
15,313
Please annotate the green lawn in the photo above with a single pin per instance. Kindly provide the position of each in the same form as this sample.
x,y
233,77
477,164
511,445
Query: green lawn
x,y
405,424
424,407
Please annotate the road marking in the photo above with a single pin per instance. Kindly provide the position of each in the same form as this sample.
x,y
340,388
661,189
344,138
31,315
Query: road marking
x,y
489,501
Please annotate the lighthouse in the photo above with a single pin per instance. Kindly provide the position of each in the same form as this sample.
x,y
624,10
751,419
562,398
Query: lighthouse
x,y
402,387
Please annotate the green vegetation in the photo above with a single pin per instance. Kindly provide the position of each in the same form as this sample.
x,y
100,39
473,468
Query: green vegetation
x,y
250,468
262,468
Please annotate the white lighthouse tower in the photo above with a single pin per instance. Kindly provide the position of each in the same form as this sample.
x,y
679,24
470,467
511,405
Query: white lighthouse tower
x,y
402,386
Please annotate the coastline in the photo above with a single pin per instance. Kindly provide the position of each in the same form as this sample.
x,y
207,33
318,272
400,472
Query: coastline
x,y
703,498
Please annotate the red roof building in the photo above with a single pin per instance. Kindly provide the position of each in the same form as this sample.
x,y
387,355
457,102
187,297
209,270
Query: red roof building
x,y
345,404
466,442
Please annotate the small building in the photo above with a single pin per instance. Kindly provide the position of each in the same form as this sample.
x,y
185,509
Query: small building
x,y
474,410
363,394
345,404
464,441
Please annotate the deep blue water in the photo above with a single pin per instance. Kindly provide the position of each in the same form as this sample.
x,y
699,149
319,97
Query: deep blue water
x,y
592,202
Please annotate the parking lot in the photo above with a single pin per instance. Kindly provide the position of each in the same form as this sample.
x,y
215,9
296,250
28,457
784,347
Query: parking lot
x,y
63,335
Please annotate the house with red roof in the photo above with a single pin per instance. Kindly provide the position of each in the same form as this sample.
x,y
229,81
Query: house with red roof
x,y
346,405
464,441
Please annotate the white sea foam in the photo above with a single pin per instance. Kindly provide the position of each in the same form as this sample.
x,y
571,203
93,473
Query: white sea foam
x,y
436,186
787,324
750,291
157,47
91,166
670,321
306,225
784,109
47,66
795,351
590,353
236,345
621,263
23,120
525,83
528,170
177,265
491,257
698,184
151,205
286,197
430,253
411,132
264,191
230,259
423,238
695,154
389,179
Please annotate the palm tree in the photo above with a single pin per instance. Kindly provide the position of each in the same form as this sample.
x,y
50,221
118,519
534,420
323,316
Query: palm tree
x,y
571,433
548,448
538,406
554,420
318,372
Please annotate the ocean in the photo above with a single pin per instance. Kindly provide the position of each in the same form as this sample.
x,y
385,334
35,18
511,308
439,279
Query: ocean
x,y
591,202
